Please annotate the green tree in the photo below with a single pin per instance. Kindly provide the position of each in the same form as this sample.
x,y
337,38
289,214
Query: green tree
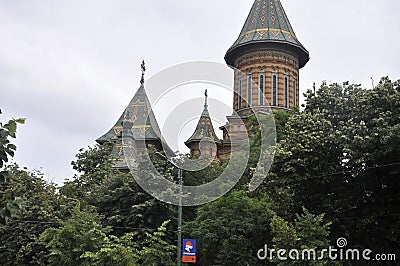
x,y
230,230
93,165
41,209
115,194
340,157
7,149
67,244
115,251
156,250
309,232
127,250
82,240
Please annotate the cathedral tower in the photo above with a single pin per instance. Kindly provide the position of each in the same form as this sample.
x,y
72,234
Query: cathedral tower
x,y
143,128
266,59
269,55
203,141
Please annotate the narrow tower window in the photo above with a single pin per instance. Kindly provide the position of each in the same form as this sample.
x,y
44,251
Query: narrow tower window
x,y
286,92
249,90
294,93
274,89
240,94
261,84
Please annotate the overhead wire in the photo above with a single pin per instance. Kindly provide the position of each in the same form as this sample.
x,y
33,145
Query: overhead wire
x,y
114,227
286,182
338,173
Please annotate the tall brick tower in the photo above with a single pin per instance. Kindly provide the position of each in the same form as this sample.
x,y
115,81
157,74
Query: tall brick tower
x,y
268,52
266,57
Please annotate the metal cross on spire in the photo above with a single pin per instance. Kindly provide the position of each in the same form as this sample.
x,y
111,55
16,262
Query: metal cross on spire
x,y
206,96
143,66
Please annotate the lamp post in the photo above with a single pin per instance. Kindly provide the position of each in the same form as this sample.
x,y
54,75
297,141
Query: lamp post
x,y
179,257
180,171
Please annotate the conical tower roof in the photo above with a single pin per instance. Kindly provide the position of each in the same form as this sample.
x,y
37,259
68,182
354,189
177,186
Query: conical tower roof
x,y
204,129
267,26
140,114
142,123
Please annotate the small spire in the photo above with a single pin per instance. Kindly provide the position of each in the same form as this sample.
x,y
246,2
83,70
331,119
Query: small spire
x,y
206,97
143,66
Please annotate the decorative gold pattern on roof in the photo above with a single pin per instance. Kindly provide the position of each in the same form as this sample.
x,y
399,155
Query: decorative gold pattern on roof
x,y
117,130
140,118
204,129
262,32
267,24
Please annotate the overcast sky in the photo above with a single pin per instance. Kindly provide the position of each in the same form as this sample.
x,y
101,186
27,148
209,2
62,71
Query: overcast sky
x,y
71,67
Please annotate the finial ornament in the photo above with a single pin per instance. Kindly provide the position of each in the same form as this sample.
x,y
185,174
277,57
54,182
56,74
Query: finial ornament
x,y
206,96
143,66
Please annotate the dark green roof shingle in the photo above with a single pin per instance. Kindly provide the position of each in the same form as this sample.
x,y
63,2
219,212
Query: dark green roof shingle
x,y
204,129
267,25
143,127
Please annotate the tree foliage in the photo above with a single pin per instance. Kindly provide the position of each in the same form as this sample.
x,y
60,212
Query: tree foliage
x,y
335,174
7,149
82,240
42,207
309,232
230,230
67,244
340,156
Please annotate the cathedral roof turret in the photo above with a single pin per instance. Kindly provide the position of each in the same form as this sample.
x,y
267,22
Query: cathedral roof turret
x,y
204,129
267,26
142,123
140,115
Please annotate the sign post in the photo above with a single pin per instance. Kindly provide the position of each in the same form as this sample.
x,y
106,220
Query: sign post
x,y
189,250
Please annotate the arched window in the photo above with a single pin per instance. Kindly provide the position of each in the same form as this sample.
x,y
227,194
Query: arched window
x,y
274,90
294,93
261,85
286,92
240,94
249,90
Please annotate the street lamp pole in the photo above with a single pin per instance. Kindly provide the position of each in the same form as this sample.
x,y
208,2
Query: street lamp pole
x,y
179,258
180,171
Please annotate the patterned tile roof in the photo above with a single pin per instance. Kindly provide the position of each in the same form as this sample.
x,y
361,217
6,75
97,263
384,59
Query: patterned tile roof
x,y
140,114
204,129
143,127
267,25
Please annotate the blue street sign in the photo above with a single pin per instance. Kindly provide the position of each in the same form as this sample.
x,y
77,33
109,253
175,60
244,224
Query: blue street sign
x,y
189,247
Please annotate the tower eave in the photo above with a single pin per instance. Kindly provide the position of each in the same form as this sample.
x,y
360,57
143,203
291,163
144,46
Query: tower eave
x,y
238,50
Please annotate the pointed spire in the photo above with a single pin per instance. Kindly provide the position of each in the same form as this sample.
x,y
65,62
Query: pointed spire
x,y
142,122
140,113
204,127
267,26
205,101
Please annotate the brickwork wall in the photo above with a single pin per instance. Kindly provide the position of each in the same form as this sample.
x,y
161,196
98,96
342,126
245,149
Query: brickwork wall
x,y
268,62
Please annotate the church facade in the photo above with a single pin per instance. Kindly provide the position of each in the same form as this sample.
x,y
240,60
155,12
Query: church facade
x,y
266,58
